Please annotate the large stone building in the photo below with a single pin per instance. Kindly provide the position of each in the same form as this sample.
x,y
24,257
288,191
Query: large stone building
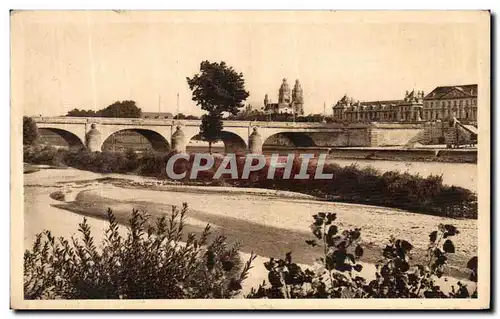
x,y
408,109
287,103
445,102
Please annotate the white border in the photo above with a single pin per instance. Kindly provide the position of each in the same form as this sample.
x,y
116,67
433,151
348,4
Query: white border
x,y
144,4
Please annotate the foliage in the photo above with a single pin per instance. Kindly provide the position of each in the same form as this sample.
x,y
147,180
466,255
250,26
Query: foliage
x,y
44,155
30,131
181,116
148,163
82,113
155,260
58,195
210,129
119,109
336,274
217,89
124,109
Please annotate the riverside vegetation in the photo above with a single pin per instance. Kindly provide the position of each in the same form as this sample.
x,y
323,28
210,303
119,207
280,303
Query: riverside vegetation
x,y
155,259
351,184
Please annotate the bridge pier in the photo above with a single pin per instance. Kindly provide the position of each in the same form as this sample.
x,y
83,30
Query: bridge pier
x,y
255,142
93,139
178,141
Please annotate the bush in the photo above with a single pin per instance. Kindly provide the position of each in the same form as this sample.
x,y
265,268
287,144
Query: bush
x,y
44,155
151,261
337,271
58,195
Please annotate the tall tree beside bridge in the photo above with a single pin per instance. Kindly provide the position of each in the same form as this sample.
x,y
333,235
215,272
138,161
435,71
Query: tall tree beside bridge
x,y
217,89
30,131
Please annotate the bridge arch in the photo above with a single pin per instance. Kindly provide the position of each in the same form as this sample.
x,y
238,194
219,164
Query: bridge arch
x,y
136,139
60,137
233,143
289,139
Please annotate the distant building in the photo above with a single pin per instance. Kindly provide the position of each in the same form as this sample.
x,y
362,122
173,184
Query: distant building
x,y
408,109
157,115
287,103
445,102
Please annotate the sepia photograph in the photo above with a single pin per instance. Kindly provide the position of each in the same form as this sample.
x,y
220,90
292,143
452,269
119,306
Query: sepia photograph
x,y
337,158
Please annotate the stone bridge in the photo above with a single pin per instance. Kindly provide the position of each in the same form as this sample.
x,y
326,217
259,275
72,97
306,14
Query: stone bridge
x,y
237,135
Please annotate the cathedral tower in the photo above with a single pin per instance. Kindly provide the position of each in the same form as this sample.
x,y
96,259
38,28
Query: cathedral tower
x,y
298,98
284,93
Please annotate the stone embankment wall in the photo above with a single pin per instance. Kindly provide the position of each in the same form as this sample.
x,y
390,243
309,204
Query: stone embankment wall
x,y
428,155
396,134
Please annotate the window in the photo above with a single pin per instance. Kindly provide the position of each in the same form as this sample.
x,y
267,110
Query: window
x,y
455,103
466,102
432,104
443,104
449,103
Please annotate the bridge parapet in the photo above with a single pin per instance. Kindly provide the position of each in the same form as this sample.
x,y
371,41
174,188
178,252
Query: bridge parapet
x,y
171,122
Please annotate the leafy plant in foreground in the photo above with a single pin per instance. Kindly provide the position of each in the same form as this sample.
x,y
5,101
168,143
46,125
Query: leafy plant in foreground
x,y
336,274
154,260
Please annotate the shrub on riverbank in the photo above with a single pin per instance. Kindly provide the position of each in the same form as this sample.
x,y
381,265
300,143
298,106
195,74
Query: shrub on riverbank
x,y
58,195
349,184
389,189
155,260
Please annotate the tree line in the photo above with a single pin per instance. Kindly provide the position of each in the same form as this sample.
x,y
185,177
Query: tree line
x,y
123,109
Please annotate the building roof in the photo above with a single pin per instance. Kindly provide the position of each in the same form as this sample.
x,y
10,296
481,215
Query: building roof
x,y
454,91
387,102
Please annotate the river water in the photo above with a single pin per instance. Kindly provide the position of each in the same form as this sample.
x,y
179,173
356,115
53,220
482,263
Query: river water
x,y
457,174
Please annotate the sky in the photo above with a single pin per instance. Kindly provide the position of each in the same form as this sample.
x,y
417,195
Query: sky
x,y
89,59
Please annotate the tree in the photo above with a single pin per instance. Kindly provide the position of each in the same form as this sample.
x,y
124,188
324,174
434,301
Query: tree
x,y
124,109
30,131
217,89
82,113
